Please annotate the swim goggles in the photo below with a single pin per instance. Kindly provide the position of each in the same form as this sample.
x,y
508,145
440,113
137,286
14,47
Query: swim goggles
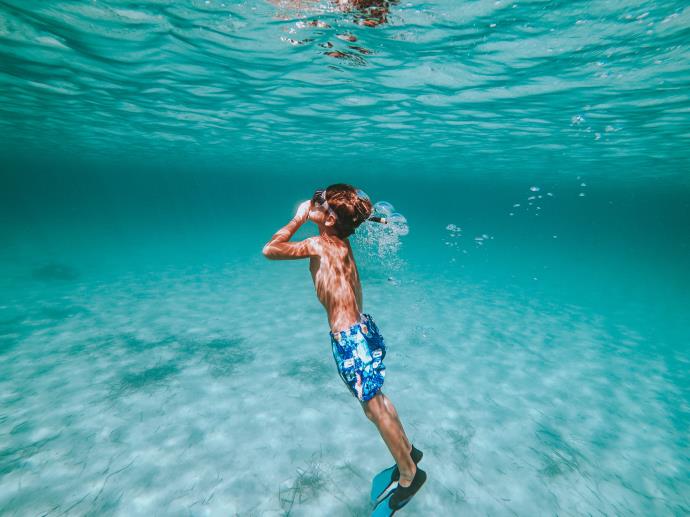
x,y
319,199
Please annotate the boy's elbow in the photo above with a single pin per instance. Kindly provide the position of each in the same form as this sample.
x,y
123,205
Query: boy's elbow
x,y
267,251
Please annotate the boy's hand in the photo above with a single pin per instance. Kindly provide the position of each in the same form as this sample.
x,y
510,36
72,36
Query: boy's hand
x,y
302,213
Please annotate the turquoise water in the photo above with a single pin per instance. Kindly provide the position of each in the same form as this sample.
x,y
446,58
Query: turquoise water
x,y
153,362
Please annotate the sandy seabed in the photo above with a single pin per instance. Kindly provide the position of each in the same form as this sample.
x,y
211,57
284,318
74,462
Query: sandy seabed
x,y
214,392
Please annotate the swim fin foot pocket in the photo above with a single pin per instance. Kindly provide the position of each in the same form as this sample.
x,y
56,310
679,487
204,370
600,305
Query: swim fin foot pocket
x,y
387,479
399,496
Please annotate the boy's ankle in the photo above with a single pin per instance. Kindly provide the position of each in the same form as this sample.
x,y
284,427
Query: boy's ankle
x,y
406,478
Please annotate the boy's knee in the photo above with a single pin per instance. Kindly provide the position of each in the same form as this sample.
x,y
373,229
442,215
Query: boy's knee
x,y
368,412
372,408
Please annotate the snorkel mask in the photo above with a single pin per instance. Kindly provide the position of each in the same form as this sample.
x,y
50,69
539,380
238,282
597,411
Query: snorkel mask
x,y
319,199
373,218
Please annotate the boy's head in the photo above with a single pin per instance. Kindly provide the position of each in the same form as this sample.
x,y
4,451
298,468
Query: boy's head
x,y
345,208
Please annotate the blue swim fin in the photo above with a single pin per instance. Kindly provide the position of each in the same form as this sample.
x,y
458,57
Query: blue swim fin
x,y
383,482
399,497
387,479
383,509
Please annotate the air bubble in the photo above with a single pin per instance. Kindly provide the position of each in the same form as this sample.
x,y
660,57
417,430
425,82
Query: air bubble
x,y
381,242
398,223
384,208
363,195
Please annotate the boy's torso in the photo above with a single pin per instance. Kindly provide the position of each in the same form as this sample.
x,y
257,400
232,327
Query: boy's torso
x,y
336,281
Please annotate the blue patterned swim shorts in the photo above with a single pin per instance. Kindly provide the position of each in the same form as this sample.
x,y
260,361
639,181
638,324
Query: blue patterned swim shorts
x,y
358,354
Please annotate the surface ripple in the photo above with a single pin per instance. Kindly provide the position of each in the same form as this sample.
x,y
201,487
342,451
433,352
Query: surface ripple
x,y
582,82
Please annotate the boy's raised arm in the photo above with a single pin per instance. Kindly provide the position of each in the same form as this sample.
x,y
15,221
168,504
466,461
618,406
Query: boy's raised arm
x,y
280,247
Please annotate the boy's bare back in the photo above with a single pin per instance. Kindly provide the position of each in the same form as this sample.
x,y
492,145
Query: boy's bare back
x,y
331,261
336,280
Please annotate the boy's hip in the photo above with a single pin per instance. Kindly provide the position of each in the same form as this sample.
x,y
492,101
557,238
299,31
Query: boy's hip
x,y
359,354
366,326
358,346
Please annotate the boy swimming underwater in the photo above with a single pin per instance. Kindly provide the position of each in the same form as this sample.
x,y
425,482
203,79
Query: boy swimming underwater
x,y
358,347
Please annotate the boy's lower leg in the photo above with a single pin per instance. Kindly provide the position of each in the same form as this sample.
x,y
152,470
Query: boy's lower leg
x,y
381,411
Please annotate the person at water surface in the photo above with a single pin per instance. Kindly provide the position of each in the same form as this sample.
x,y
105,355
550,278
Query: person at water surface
x,y
366,12
358,347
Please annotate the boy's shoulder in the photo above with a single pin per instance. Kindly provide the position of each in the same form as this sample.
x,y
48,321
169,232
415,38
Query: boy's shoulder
x,y
321,244
316,244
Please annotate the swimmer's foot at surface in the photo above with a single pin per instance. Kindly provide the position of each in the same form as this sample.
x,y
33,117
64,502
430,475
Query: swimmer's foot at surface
x,y
312,23
349,57
337,54
347,37
361,50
